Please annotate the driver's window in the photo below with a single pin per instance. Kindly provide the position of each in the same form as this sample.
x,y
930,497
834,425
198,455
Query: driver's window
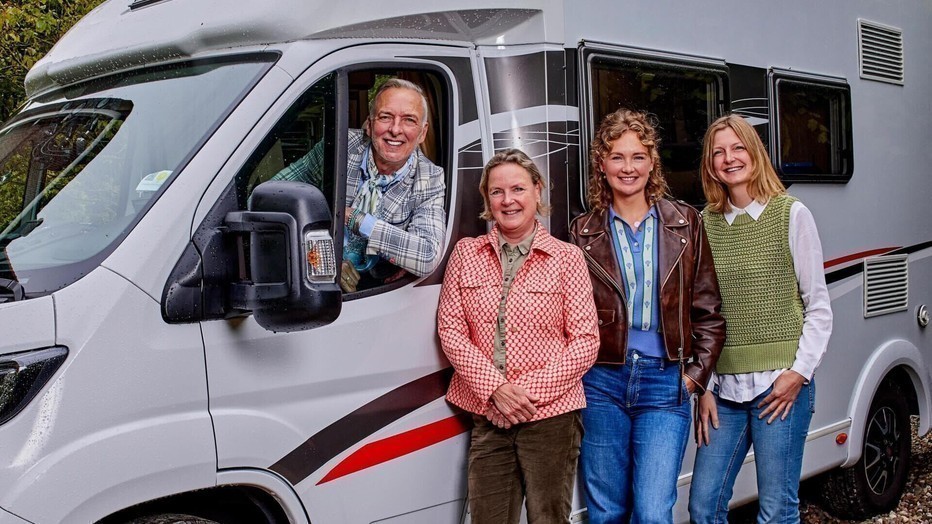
x,y
393,183
300,147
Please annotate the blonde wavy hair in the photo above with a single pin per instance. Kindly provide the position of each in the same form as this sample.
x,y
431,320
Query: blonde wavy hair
x,y
764,182
612,127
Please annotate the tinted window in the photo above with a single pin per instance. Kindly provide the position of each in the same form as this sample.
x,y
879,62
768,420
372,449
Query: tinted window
x,y
79,166
304,147
685,100
813,131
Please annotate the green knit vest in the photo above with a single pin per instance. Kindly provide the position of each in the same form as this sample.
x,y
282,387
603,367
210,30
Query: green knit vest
x,y
760,295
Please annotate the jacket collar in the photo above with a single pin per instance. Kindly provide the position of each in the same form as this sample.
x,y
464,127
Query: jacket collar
x,y
670,217
673,237
542,240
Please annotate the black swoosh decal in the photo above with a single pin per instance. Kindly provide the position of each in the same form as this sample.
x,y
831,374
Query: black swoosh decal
x,y
354,427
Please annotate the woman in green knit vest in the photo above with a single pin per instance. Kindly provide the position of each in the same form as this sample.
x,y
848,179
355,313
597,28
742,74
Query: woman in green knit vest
x,y
778,316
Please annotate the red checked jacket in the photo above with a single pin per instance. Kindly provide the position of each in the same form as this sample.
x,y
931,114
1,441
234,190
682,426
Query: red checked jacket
x,y
690,303
552,333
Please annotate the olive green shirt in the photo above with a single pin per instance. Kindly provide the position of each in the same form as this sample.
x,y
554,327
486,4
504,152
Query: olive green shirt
x,y
512,258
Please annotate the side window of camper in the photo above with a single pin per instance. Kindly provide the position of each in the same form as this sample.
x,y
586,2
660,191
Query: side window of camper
x,y
304,145
812,130
685,99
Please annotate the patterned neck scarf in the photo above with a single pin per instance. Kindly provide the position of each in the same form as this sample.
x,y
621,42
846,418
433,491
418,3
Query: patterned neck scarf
x,y
373,186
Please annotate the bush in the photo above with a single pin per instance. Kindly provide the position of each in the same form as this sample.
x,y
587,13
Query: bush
x,y
28,29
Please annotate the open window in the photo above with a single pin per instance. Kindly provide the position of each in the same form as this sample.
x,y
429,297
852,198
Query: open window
x,y
684,96
812,128
323,140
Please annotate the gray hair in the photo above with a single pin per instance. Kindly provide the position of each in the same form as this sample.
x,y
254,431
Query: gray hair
x,y
398,83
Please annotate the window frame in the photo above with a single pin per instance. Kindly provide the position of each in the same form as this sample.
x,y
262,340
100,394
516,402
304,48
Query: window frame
x,y
842,128
589,52
446,130
444,106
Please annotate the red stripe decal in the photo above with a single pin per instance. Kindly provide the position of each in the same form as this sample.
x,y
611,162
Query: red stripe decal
x,y
399,445
855,256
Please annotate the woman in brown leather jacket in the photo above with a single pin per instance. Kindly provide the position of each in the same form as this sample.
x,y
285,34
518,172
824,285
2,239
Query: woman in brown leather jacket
x,y
659,320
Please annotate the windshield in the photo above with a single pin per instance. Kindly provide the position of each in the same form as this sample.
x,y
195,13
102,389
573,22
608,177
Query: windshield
x,y
78,169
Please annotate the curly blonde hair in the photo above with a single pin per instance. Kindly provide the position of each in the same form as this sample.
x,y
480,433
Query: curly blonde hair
x,y
764,182
612,127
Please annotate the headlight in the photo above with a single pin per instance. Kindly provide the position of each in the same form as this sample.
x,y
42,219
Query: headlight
x,y
23,374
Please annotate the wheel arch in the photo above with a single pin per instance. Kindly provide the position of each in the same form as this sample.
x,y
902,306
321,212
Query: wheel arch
x,y
898,360
264,496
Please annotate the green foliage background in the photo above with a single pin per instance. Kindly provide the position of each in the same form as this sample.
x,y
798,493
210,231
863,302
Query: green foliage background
x,y
28,29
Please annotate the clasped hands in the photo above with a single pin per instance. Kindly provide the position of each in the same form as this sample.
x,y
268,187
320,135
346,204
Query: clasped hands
x,y
511,405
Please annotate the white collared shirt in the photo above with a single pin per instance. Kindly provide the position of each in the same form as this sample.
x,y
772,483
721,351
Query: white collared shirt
x,y
806,251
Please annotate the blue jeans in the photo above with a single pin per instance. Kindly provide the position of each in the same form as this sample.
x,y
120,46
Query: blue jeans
x,y
778,456
636,424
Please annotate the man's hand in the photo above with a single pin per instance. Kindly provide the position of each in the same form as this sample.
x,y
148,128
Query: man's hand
x,y
781,397
515,403
349,277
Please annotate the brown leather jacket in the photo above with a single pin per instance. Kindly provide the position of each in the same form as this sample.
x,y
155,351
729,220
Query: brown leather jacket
x,y
690,303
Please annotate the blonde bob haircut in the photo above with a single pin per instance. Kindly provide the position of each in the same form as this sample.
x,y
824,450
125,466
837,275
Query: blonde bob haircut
x,y
612,127
518,158
764,182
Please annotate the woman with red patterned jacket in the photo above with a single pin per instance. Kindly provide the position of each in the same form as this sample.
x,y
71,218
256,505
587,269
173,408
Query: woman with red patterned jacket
x,y
518,323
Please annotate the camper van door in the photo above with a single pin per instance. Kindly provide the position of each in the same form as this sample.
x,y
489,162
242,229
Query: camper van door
x,y
352,414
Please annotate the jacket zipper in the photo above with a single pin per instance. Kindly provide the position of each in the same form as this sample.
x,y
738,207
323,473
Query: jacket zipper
x,y
605,277
679,350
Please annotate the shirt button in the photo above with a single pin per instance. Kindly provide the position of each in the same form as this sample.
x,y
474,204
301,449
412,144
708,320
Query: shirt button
x,y
585,230
588,248
683,240
682,221
600,322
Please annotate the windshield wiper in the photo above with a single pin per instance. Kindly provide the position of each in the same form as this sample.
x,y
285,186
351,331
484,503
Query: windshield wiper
x,y
11,291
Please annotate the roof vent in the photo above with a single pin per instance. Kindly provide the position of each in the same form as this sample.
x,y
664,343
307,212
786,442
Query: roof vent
x,y
886,285
880,48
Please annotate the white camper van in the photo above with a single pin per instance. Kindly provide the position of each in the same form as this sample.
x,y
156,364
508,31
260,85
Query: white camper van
x,y
173,344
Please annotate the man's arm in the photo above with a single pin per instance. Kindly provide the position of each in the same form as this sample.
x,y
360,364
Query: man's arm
x,y
308,169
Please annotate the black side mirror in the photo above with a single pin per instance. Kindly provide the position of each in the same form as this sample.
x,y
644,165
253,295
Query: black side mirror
x,y
293,266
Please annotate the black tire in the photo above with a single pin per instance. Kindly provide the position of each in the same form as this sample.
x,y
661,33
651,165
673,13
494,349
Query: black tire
x,y
876,482
171,518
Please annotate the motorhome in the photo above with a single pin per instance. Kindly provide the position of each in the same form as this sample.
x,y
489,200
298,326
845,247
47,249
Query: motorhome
x,y
174,345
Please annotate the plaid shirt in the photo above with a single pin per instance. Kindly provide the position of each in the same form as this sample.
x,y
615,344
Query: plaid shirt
x,y
411,220
553,337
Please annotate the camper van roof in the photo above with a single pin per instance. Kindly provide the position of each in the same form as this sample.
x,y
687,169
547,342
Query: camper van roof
x,y
123,34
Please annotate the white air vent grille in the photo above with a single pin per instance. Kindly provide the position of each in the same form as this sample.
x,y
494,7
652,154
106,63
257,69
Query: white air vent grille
x,y
886,285
880,48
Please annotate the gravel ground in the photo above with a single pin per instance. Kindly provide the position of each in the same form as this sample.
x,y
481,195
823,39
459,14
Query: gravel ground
x,y
915,506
